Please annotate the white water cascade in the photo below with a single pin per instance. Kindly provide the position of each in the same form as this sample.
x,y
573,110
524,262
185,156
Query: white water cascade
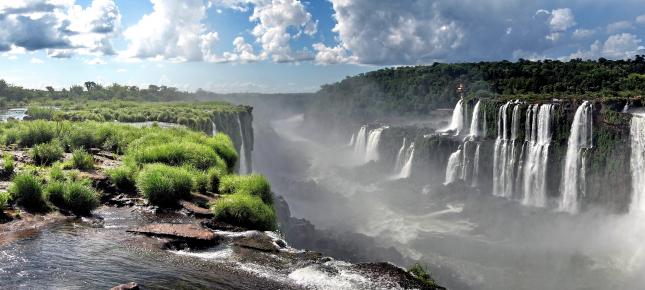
x,y
243,168
538,140
214,128
407,158
453,169
475,181
400,157
359,142
351,141
457,120
573,177
637,163
505,153
475,129
373,139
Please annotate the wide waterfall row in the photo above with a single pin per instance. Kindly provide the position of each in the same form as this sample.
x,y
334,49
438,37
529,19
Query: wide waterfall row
x,y
460,166
520,166
574,172
366,143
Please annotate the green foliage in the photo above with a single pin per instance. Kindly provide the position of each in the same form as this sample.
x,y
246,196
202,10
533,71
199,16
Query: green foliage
x,y
123,178
245,211
26,189
421,273
80,198
200,181
214,176
82,160
47,153
164,185
178,154
56,172
254,184
55,191
4,199
223,145
8,165
33,133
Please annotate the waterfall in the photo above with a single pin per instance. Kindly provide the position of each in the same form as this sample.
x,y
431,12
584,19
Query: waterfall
x,y
371,151
475,180
505,152
574,170
359,142
214,128
243,168
400,158
457,121
453,169
637,163
538,140
351,141
474,124
406,169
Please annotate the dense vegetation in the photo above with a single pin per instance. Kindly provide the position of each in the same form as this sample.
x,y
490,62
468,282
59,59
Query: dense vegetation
x,y
418,90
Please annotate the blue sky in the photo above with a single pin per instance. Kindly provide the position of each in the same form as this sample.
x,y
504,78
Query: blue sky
x,y
293,45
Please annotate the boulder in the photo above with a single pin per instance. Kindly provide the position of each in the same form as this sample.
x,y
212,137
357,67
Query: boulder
x,y
183,232
127,286
196,210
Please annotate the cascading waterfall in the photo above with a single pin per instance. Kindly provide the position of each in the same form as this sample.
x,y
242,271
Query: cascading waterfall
x,y
637,163
243,169
574,167
359,143
475,131
457,121
400,158
406,169
351,141
475,180
538,140
505,152
453,169
214,128
371,151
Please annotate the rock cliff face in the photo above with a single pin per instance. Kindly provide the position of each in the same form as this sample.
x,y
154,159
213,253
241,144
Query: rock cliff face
x,y
239,126
607,178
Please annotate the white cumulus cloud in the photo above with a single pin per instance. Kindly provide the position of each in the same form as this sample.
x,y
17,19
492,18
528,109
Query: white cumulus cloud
x,y
617,46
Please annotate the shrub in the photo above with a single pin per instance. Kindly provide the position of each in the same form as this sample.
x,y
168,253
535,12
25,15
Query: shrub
x,y
225,149
421,273
82,160
164,185
200,181
55,191
80,198
56,173
47,153
123,178
26,189
253,184
179,153
35,132
245,211
8,165
4,199
81,137
214,176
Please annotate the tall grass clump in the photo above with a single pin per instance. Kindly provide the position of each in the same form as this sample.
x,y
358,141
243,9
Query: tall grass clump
x,y
200,179
8,166
55,192
254,184
46,153
245,211
179,153
164,185
4,199
225,148
123,178
27,190
80,198
82,160
214,177
35,132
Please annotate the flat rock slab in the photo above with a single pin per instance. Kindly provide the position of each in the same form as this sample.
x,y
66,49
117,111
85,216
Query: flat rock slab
x,y
257,241
177,231
196,210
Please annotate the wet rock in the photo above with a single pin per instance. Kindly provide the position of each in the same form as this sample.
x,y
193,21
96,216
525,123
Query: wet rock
x,y
257,241
191,234
385,271
122,200
220,226
203,200
127,286
100,180
196,210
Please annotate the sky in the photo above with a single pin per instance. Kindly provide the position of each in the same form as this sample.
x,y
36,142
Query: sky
x,y
294,45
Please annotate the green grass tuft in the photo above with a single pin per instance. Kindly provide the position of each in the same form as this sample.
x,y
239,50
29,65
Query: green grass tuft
x,y
245,211
164,185
46,153
214,177
82,160
8,165
200,179
27,190
253,184
4,199
80,198
55,191
123,178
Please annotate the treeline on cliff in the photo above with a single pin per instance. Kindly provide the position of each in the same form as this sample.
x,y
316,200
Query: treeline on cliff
x,y
417,90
